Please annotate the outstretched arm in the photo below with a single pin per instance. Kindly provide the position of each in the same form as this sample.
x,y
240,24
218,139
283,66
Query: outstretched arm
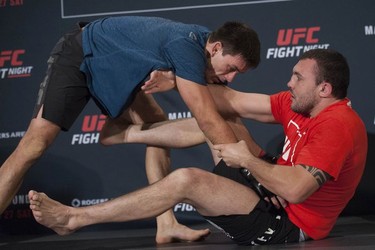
x,y
200,102
208,104
229,102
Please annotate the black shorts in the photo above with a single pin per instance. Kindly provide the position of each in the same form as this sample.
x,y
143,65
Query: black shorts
x,y
264,225
64,92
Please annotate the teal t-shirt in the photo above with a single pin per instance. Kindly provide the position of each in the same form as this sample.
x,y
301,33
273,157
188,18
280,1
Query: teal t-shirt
x,y
121,52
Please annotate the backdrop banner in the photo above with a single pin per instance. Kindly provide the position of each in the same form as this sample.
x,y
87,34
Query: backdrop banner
x,y
78,171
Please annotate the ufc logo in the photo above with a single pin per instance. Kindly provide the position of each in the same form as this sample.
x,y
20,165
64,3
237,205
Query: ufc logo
x,y
12,56
93,123
293,36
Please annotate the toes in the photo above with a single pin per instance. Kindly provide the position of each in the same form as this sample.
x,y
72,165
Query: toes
x,y
31,194
35,202
36,196
35,207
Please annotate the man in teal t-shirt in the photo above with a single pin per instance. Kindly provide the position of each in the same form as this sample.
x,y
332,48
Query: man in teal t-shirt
x,y
114,49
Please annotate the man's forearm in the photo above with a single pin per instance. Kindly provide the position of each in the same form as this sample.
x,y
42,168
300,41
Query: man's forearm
x,y
219,132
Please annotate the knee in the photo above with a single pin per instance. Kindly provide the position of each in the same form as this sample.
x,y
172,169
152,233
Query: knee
x,y
185,178
156,116
113,132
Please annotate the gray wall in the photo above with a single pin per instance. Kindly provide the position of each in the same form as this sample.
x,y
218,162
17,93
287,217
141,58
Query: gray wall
x,y
78,171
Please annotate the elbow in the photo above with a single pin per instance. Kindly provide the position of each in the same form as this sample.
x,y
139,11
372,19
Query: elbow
x,y
295,196
295,200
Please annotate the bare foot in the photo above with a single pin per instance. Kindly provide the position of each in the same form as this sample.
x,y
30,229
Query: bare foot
x,y
50,213
178,232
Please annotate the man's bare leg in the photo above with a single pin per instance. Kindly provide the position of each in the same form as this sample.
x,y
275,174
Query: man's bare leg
x,y
211,195
168,229
164,134
145,110
161,134
37,138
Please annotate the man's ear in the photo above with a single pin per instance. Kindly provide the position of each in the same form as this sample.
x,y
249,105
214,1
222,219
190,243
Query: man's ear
x,y
217,46
325,89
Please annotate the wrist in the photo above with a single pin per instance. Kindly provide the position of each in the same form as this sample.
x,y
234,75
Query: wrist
x,y
247,162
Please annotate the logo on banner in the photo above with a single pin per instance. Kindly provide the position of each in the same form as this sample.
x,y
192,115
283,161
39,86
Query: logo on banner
x,y
93,124
10,135
87,202
293,42
179,115
12,66
369,30
19,208
12,3
183,207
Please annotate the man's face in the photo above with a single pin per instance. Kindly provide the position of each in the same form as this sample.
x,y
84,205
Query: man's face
x,y
303,87
224,68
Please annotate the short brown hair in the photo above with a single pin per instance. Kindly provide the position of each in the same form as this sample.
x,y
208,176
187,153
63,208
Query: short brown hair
x,y
238,39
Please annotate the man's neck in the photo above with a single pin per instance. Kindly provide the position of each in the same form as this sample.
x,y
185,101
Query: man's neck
x,y
323,104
